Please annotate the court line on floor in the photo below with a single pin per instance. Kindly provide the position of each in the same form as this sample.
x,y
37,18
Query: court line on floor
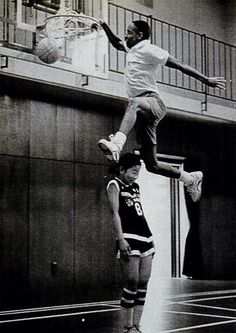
x,y
200,314
206,306
202,293
200,326
56,316
59,307
209,298
232,319
187,302
114,303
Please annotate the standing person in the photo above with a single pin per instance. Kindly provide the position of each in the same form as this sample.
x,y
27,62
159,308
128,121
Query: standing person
x,y
134,239
145,108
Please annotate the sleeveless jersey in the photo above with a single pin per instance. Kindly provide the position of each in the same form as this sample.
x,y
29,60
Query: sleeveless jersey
x,y
133,221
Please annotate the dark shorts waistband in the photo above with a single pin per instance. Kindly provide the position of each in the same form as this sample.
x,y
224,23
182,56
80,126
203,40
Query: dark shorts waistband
x,y
146,93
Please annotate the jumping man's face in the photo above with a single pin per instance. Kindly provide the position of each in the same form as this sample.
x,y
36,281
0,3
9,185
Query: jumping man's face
x,y
133,36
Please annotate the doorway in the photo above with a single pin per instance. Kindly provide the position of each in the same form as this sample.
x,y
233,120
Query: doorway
x,y
165,210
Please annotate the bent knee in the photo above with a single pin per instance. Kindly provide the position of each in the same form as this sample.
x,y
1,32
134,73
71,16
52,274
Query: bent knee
x,y
132,284
143,283
151,166
134,104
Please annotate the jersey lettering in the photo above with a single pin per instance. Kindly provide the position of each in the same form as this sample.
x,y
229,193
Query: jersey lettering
x,y
138,208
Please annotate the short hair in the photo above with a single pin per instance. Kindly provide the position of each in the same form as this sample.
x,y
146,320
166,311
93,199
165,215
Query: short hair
x,y
126,161
129,160
143,26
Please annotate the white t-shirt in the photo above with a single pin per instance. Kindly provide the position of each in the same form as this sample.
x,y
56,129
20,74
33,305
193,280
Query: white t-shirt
x,y
143,61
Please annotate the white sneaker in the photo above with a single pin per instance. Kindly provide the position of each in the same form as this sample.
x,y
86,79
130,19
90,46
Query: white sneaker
x,y
195,189
110,149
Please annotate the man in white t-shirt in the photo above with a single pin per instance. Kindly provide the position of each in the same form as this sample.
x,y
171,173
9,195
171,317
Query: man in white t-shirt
x,y
145,108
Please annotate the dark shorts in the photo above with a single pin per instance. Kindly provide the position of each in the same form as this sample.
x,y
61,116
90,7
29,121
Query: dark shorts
x,y
138,248
147,121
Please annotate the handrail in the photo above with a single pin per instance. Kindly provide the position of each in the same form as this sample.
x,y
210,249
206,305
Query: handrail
x,y
208,55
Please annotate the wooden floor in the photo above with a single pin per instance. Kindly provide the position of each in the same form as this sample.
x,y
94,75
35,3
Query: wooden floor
x,y
173,305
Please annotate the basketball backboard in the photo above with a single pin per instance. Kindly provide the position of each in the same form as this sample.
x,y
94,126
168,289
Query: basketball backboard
x,y
87,54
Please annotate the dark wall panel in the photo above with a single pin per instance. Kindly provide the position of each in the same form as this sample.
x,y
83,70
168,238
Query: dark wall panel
x,y
51,131
51,229
13,228
90,127
95,237
14,126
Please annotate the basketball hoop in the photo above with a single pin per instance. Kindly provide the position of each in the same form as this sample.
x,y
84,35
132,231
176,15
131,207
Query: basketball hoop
x,y
69,24
80,43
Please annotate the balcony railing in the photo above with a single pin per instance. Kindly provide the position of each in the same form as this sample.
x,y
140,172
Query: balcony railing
x,y
209,56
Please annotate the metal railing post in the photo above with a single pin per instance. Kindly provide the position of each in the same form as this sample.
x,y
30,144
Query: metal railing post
x,y
205,71
150,22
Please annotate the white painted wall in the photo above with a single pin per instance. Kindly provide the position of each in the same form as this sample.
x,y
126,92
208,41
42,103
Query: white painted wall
x,y
215,18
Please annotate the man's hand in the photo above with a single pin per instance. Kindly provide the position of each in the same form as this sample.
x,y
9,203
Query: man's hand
x,y
125,249
216,82
96,25
101,22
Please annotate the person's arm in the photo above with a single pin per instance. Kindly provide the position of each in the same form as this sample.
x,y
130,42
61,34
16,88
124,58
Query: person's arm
x,y
215,82
113,39
113,196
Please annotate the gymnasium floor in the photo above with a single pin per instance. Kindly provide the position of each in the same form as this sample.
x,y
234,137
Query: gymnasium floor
x,y
173,305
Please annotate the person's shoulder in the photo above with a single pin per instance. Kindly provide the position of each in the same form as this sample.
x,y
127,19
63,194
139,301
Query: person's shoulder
x,y
156,48
159,54
113,182
153,49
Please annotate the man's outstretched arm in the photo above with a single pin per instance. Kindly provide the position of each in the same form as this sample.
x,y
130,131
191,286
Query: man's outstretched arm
x,y
113,39
215,82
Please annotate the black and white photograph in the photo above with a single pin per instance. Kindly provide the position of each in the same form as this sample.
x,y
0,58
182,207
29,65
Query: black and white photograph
x,y
118,166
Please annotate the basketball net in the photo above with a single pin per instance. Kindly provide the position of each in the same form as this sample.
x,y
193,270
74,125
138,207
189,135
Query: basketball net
x,y
79,39
67,23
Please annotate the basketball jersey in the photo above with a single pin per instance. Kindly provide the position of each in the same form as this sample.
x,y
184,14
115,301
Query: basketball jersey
x,y
134,224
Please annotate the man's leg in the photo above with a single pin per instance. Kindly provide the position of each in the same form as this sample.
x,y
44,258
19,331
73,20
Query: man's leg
x,y
112,149
149,156
114,146
193,180
130,116
130,272
144,276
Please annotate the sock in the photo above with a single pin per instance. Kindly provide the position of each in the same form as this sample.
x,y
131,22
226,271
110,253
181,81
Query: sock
x,y
127,314
119,138
186,178
138,311
127,306
139,306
